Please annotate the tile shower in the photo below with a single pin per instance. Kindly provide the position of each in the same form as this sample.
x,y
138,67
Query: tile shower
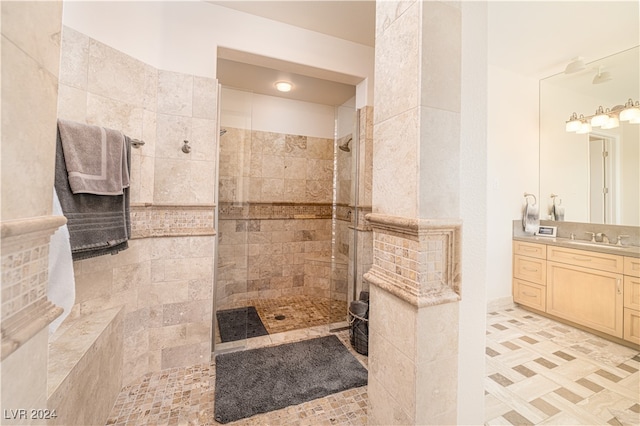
x,y
284,215
149,308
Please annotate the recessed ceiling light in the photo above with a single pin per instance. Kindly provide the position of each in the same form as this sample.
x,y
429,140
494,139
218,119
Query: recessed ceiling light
x,y
283,86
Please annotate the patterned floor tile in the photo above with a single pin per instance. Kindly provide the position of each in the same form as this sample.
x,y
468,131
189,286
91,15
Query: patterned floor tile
x,y
538,372
567,376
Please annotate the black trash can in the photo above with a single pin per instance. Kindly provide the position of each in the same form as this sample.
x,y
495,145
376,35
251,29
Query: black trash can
x,y
359,326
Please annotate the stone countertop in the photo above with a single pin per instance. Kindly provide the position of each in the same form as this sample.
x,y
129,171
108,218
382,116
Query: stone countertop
x,y
630,251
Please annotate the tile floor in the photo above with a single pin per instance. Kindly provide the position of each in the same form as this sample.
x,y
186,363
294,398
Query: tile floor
x,y
184,396
538,372
299,312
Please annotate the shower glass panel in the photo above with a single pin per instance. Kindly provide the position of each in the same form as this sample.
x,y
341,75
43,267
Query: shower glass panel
x,y
234,321
344,211
285,216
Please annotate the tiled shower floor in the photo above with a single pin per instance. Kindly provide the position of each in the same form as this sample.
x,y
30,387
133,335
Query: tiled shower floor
x,y
184,396
538,372
299,312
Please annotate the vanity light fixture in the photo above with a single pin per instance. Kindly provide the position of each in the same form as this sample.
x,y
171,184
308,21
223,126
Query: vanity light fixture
x,y
584,128
605,118
612,123
574,123
600,118
283,86
631,111
576,64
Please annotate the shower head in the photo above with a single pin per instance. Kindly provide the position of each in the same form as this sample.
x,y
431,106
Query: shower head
x,y
345,146
223,131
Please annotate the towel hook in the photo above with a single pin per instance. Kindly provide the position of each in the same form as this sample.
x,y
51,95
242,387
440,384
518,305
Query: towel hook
x,y
186,148
526,194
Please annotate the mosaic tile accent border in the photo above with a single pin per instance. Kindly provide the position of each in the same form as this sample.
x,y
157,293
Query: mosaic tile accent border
x,y
25,262
274,211
153,220
418,260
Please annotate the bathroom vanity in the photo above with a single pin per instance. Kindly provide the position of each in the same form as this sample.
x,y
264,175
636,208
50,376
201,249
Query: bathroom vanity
x,y
594,287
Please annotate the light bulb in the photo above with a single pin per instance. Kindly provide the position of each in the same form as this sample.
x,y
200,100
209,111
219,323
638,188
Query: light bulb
x,y
611,123
630,111
573,125
283,86
585,128
600,119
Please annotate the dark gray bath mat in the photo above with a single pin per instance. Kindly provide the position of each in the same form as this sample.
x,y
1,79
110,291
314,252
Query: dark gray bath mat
x,y
241,323
266,379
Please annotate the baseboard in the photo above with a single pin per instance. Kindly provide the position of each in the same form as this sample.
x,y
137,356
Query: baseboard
x,y
500,304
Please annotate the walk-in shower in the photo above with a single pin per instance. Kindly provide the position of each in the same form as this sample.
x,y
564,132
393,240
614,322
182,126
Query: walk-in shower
x,y
284,218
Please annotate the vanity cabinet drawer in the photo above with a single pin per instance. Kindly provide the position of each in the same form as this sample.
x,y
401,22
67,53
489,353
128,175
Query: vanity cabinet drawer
x,y
530,249
529,294
588,259
632,266
632,292
632,325
530,269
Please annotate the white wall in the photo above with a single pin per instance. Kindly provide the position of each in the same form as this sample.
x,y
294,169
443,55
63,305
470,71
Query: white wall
x,y
536,39
184,36
245,110
473,179
512,168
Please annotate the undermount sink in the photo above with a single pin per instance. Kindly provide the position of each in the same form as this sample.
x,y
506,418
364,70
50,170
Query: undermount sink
x,y
591,244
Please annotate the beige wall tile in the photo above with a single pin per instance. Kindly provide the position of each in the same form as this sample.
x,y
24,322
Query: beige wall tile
x,y
35,28
396,187
150,89
203,139
114,75
397,65
202,181
441,56
30,121
394,371
114,114
175,93
439,163
24,375
172,131
72,103
205,93
197,353
74,62
171,181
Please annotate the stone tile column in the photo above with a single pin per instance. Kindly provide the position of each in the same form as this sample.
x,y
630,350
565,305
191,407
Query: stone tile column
x,y
415,277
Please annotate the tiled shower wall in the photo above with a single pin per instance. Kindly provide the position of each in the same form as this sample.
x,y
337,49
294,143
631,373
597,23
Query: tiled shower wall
x,y
164,280
275,228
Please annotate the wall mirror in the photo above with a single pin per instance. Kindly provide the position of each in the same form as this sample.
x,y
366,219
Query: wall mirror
x,y
594,175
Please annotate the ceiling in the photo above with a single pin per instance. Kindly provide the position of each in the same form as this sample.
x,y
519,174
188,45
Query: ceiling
x,y
535,39
348,20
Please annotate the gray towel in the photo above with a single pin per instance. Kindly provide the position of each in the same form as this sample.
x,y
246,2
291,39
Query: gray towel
x,y
98,224
95,158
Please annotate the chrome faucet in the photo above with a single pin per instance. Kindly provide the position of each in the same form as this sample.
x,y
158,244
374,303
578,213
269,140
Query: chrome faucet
x,y
620,237
602,235
593,236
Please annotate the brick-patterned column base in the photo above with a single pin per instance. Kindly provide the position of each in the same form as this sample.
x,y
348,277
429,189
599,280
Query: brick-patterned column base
x,y
413,344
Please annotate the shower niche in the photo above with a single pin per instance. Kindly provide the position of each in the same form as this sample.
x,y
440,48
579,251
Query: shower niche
x,y
286,216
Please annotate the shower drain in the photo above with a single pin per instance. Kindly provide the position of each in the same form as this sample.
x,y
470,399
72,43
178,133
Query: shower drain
x,y
280,317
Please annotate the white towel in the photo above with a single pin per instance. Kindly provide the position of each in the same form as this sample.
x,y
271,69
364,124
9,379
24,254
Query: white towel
x,y
62,286
530,218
